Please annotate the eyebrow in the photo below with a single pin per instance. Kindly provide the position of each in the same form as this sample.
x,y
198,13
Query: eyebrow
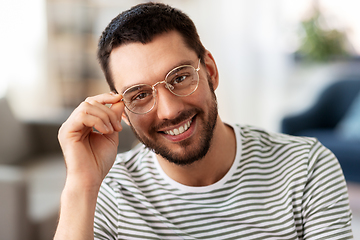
x,y
181,63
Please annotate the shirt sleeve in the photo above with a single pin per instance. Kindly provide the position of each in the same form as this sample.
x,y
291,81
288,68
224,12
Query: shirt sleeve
x,y
326,211
105,214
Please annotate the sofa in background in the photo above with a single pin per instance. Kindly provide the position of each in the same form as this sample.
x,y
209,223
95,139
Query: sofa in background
x,y
32,175
325,120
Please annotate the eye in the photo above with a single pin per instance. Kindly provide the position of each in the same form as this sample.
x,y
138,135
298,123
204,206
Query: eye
x,y
178,79
180,75
141,96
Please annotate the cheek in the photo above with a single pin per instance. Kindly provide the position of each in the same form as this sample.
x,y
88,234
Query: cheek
x,y
204,94
139,123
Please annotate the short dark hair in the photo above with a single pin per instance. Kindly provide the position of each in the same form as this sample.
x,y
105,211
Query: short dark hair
x,y
142,23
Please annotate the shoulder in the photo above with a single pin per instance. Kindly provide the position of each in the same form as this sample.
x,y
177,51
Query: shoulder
x,y
255,134
131,159
278,147
130,163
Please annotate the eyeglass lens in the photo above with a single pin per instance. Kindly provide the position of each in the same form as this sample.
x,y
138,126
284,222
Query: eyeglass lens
x,y
181,81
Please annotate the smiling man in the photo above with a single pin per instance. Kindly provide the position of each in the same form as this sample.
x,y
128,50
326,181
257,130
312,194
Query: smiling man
x,y
135,66
193,176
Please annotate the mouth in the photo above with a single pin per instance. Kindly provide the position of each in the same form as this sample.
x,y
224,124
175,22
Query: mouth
x,y
179,130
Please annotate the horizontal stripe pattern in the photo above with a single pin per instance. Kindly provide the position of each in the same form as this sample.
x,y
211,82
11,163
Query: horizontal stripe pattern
x,y
283,187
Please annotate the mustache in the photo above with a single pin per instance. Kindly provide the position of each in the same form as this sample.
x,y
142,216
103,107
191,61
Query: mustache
x,y
182,117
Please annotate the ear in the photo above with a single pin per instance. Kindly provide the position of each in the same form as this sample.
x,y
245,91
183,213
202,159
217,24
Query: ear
x,y
211,69
125,118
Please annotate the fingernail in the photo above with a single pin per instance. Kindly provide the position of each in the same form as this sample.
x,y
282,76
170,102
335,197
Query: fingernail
x,y
114,93
119,124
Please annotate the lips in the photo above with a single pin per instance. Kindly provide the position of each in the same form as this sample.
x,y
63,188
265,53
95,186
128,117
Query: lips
x,y
176,131
180,128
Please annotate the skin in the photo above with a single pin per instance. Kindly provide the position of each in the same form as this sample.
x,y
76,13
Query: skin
x,y
89,155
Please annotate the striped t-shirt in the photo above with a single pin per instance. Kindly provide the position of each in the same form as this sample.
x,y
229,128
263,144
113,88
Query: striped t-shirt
x,y
279,187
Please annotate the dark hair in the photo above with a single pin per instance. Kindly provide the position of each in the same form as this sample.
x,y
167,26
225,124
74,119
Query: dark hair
x,y
142,23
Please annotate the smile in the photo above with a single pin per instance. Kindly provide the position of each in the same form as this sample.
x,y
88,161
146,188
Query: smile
x,y
180,130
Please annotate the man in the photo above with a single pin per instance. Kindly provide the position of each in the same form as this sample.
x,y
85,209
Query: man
x,y
193,176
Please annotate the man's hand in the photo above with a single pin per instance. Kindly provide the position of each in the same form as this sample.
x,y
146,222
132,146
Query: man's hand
x,y
89,155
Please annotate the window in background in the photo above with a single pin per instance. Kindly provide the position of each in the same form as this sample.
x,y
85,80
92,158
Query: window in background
x,y
22,48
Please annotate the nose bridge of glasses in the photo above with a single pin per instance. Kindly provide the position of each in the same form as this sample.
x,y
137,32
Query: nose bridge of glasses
x,y
167,85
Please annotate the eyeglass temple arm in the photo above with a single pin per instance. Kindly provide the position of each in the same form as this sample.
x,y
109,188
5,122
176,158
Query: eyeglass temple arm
x,y
198,68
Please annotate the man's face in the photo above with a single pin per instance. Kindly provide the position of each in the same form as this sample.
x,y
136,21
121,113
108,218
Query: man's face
x,y
162,129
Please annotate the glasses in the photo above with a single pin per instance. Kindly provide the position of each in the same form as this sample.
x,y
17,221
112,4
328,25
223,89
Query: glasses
x,y
182,81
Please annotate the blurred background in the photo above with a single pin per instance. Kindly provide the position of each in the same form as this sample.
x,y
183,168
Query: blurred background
x,y
275,58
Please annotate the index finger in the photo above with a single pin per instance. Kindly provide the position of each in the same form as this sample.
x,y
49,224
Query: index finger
x,y
105,98
118,107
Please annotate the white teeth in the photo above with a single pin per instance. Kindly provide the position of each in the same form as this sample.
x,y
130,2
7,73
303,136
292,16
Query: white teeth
x,y
179,130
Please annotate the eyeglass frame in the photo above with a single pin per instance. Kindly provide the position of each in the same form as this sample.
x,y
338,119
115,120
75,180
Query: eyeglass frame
x,y
168,86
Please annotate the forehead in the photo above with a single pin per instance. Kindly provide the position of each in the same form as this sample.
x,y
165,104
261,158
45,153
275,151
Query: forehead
x,y
137,63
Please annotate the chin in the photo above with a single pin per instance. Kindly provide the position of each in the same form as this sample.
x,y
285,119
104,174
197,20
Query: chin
x,y
189,150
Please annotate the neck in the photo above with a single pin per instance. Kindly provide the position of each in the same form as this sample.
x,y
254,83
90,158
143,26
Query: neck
x,y
212,167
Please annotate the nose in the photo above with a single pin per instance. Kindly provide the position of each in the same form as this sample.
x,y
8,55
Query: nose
x,y
168,106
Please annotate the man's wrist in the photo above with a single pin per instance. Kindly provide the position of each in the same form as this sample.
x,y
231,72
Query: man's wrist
x,y
77,210
82,185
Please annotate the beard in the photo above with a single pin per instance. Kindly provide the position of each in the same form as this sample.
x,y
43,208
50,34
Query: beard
x,y
192,151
